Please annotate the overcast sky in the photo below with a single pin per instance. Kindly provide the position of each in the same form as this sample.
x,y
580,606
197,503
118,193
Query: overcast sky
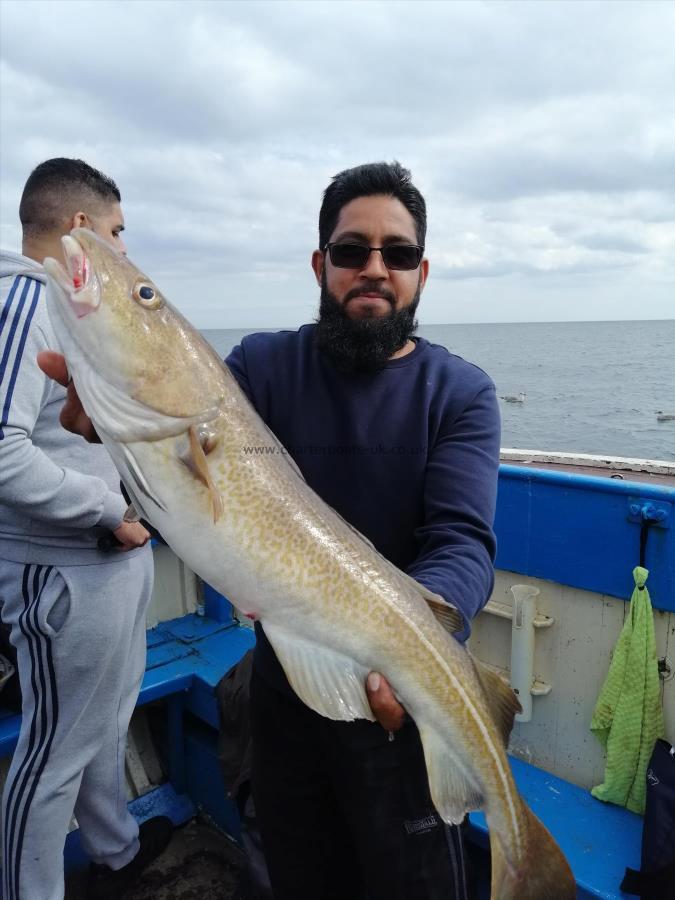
x,y
541,133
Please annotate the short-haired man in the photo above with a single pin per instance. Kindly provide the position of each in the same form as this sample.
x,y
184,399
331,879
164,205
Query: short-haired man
x,y
402,438
76,612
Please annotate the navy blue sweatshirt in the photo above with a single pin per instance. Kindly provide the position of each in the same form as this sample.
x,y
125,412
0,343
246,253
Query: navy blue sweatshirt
x,y
409,455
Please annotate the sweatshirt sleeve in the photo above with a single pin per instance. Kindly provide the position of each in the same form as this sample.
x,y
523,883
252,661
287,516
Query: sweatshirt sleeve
x,y
236,363
29,480
456,542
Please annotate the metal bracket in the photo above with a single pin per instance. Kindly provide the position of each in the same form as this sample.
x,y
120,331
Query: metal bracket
x,y
525,621
656,511
538,689
505,611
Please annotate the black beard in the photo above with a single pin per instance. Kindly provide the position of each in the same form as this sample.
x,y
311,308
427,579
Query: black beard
x,y
362,345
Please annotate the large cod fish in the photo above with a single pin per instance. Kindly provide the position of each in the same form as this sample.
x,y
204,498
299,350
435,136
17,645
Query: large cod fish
x,y
177,426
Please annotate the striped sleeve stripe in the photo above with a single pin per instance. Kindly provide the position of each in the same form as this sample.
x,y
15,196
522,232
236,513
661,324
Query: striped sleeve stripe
x,y
4,315
9,374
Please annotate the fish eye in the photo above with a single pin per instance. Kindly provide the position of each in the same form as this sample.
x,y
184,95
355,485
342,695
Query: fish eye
x,y
145,294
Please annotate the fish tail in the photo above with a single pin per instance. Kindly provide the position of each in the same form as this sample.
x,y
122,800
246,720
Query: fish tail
x,y
541,873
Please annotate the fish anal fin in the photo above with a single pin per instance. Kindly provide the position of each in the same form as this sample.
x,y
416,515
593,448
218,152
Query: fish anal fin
x,y
327,681
453,794
501,699
200,468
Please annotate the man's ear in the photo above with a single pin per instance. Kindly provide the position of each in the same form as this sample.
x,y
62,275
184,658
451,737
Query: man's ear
x,y
80,220
424,273
317,265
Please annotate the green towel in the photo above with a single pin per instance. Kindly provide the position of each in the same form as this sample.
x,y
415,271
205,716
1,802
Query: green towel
x,y
628,717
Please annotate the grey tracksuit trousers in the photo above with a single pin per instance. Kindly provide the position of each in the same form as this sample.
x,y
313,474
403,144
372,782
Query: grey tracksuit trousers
x,y
79,632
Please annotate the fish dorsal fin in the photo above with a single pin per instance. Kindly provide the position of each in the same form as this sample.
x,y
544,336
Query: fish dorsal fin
x,y
453,793
501,699
327,681
448,616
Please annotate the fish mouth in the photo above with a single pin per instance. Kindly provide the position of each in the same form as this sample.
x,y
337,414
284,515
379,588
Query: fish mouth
x,y
76,278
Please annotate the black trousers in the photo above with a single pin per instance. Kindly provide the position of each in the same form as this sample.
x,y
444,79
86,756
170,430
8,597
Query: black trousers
x,y
345,812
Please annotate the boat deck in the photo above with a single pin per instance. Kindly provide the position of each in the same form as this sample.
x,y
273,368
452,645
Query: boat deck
x,y
644,477
644,471
200,862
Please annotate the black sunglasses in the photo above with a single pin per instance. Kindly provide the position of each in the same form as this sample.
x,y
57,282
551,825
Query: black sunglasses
x,y
355,256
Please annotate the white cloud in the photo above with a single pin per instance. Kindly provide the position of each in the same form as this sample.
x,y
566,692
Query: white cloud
x,y
543,137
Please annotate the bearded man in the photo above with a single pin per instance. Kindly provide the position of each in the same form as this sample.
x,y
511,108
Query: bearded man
x,y
402,439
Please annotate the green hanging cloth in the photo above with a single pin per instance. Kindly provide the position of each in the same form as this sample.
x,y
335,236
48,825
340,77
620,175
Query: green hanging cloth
x,y
628,717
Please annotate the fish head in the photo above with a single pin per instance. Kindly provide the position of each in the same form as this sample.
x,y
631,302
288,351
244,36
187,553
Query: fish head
x,y
130,352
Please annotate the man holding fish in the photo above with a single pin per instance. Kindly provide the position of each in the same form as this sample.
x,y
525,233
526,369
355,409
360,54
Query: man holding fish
x,y
357,532
402,439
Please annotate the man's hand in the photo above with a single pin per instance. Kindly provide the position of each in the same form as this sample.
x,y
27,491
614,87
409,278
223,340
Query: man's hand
x,y
131,535
73,417
386,708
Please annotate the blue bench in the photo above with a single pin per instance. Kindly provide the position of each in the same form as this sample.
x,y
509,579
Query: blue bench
x,y
185,656
598,839
188,656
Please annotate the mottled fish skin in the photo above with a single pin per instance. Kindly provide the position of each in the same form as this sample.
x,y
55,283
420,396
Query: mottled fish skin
x,y
333,608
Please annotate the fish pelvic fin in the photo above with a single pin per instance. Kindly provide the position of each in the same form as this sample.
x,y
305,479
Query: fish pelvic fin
x,y
501,699
329,682
452,791
541,873
200,468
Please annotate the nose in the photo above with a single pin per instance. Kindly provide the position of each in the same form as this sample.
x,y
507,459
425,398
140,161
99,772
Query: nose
x,y
375,269
121,246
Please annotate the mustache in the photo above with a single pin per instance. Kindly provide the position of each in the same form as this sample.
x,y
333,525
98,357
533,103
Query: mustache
x,y
362,345
370,287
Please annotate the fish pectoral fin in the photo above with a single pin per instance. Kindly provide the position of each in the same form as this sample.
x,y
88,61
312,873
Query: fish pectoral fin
x,y
131,514
500,697
452,792
195,459
327,681
143,500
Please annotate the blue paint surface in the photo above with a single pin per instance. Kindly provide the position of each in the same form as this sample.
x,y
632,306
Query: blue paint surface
x,y
190,654
205,781
580,531
598,839
191,650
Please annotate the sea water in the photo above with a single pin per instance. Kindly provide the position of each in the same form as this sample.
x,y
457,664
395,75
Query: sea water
x,y
590,387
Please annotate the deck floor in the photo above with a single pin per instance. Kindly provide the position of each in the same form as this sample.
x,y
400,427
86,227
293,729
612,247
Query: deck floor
x,y
199,864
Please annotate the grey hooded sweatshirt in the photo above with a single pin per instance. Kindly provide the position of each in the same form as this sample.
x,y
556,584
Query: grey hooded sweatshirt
x,y
58,494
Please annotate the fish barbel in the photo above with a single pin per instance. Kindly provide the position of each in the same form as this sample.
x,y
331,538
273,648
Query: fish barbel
x,y
181,432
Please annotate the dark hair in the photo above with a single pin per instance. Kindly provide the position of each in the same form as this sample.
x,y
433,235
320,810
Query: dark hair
x,y
57,189
365,181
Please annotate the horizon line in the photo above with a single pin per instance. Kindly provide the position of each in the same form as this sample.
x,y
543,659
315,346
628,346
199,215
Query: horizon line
x,y
434,324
